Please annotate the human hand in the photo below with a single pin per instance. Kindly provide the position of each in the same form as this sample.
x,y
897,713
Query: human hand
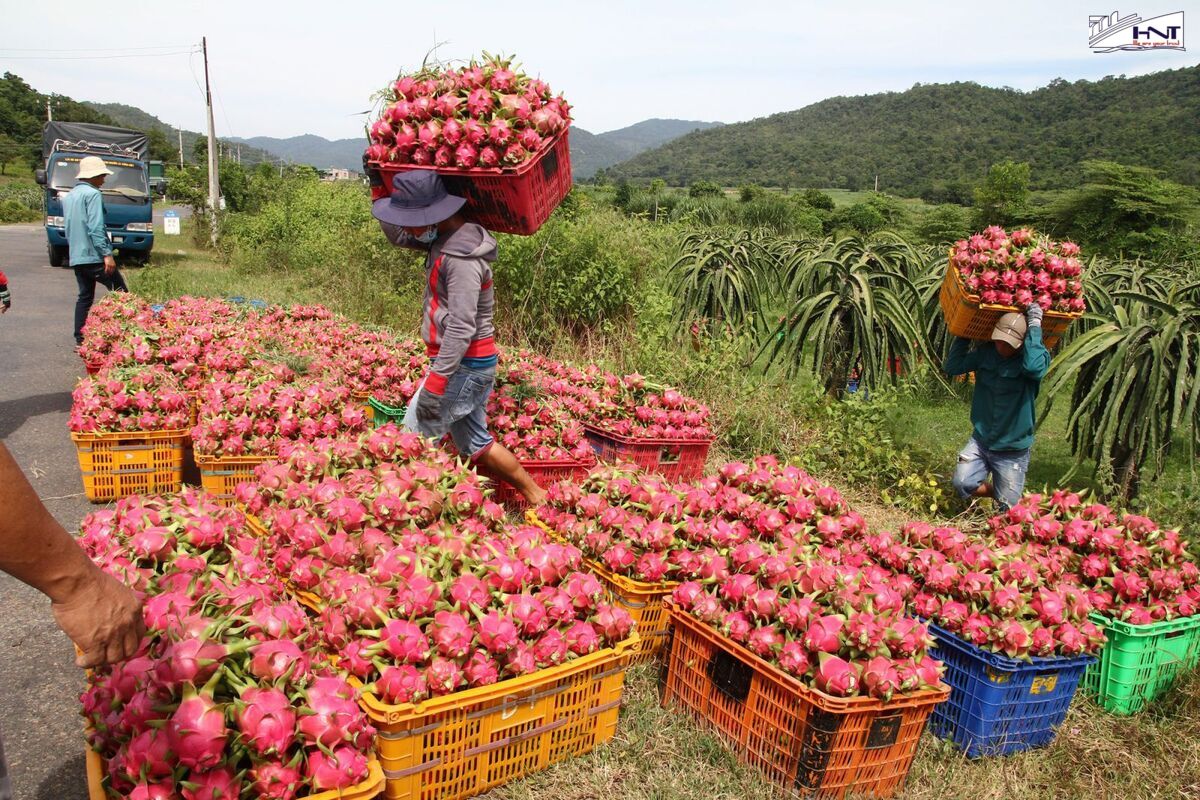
x,y
1033,315
110,265
429,406
103,617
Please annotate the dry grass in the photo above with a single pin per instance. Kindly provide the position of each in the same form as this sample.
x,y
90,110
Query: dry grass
x,y
659,754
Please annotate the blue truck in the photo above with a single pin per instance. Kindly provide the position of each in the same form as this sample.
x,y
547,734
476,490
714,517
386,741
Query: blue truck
x,y
128,205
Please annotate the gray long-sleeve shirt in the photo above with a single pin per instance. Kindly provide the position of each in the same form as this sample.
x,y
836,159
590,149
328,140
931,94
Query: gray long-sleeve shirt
x,y
459,298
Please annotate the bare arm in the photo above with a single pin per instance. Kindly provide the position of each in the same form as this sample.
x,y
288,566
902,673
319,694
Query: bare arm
x,y
102,616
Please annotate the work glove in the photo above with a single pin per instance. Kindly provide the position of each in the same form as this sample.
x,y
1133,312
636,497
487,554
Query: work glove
x,y
429,406
1033,315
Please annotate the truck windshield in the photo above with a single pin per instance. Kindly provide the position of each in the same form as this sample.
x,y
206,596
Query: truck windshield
x,y
128,178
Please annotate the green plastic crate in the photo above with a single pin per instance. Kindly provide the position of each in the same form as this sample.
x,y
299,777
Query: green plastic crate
x,y
1140,662
385,413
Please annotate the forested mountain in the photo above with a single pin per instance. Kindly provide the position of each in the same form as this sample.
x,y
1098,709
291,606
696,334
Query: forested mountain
x,y
594,151
136,118
937,140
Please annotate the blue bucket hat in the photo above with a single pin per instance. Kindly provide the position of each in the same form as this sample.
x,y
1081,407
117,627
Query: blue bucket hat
x,y
418,198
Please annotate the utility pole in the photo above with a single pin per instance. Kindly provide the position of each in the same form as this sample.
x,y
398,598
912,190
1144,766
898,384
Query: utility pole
x,y
876,182
49,114
180,147
214,193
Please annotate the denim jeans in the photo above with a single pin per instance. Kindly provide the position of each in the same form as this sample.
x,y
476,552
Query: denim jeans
x,y
1007,468
464,411
87,276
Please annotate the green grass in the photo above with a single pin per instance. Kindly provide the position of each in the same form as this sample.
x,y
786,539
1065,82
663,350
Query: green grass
x,y
845,197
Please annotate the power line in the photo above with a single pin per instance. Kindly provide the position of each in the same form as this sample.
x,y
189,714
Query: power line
x,y
94,58
96,49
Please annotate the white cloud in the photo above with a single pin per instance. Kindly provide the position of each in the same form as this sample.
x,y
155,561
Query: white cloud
x,y
286,68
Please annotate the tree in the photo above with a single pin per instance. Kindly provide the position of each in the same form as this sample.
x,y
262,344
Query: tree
x,y
749,191
1128,211
861,217
161,148
200,150
10,150
1003,199
818,199
705,189
943,225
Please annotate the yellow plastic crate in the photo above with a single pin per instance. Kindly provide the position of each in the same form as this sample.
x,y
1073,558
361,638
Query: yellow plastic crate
x,y
463,744
643,601
220,475
115,465
369,788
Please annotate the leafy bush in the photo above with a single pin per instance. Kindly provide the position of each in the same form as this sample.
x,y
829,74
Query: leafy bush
x,y
577,273
15,211
943,225
705,189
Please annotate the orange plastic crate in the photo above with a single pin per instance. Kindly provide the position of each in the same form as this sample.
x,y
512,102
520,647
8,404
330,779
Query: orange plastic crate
x,y
970,319
463,744
220,475
643,600
369,788
807,741
115,465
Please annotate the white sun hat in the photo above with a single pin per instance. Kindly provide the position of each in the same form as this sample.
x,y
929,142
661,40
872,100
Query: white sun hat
x,y
91,166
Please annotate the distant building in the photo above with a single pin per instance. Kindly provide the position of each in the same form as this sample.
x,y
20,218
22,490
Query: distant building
x,y
336,174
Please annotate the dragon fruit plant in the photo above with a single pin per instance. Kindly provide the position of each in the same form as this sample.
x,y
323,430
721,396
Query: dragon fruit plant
x,y
125,399
1020,268
486,114
228,695
1014,599
1129,567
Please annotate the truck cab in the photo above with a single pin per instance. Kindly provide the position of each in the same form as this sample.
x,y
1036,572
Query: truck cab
x,y
128,204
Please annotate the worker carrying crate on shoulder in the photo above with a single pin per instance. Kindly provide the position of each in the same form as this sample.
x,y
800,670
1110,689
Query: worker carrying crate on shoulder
x,y
456,323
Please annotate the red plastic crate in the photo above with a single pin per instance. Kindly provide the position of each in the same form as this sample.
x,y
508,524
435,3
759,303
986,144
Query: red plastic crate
x,y
674,459
543,473
515,200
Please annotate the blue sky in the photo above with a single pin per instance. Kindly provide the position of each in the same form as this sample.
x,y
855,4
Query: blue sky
x,y
287,68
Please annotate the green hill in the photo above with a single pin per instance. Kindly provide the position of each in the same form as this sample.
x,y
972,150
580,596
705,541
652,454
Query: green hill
x,y
935,141
131,117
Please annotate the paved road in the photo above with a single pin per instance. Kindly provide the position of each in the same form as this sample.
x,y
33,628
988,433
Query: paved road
x,y
39,684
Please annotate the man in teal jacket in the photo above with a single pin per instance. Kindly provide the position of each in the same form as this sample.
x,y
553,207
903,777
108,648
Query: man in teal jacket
x,y
90,250
1008,374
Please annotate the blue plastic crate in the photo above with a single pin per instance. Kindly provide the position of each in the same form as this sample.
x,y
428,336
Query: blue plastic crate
x,y
1000,705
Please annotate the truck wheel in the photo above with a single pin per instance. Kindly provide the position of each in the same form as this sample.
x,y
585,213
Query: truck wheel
x,y
57,255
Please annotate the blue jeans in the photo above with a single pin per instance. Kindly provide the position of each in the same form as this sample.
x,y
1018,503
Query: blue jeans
x,y
1007,468
464,412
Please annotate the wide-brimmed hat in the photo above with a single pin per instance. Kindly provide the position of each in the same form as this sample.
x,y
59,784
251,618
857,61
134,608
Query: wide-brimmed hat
x,y
91,166
419,198
1010,328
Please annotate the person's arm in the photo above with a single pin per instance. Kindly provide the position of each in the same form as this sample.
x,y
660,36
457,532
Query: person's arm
x,y
400,237
94,208
463,281
102,616
1035,358
961,359
5,297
